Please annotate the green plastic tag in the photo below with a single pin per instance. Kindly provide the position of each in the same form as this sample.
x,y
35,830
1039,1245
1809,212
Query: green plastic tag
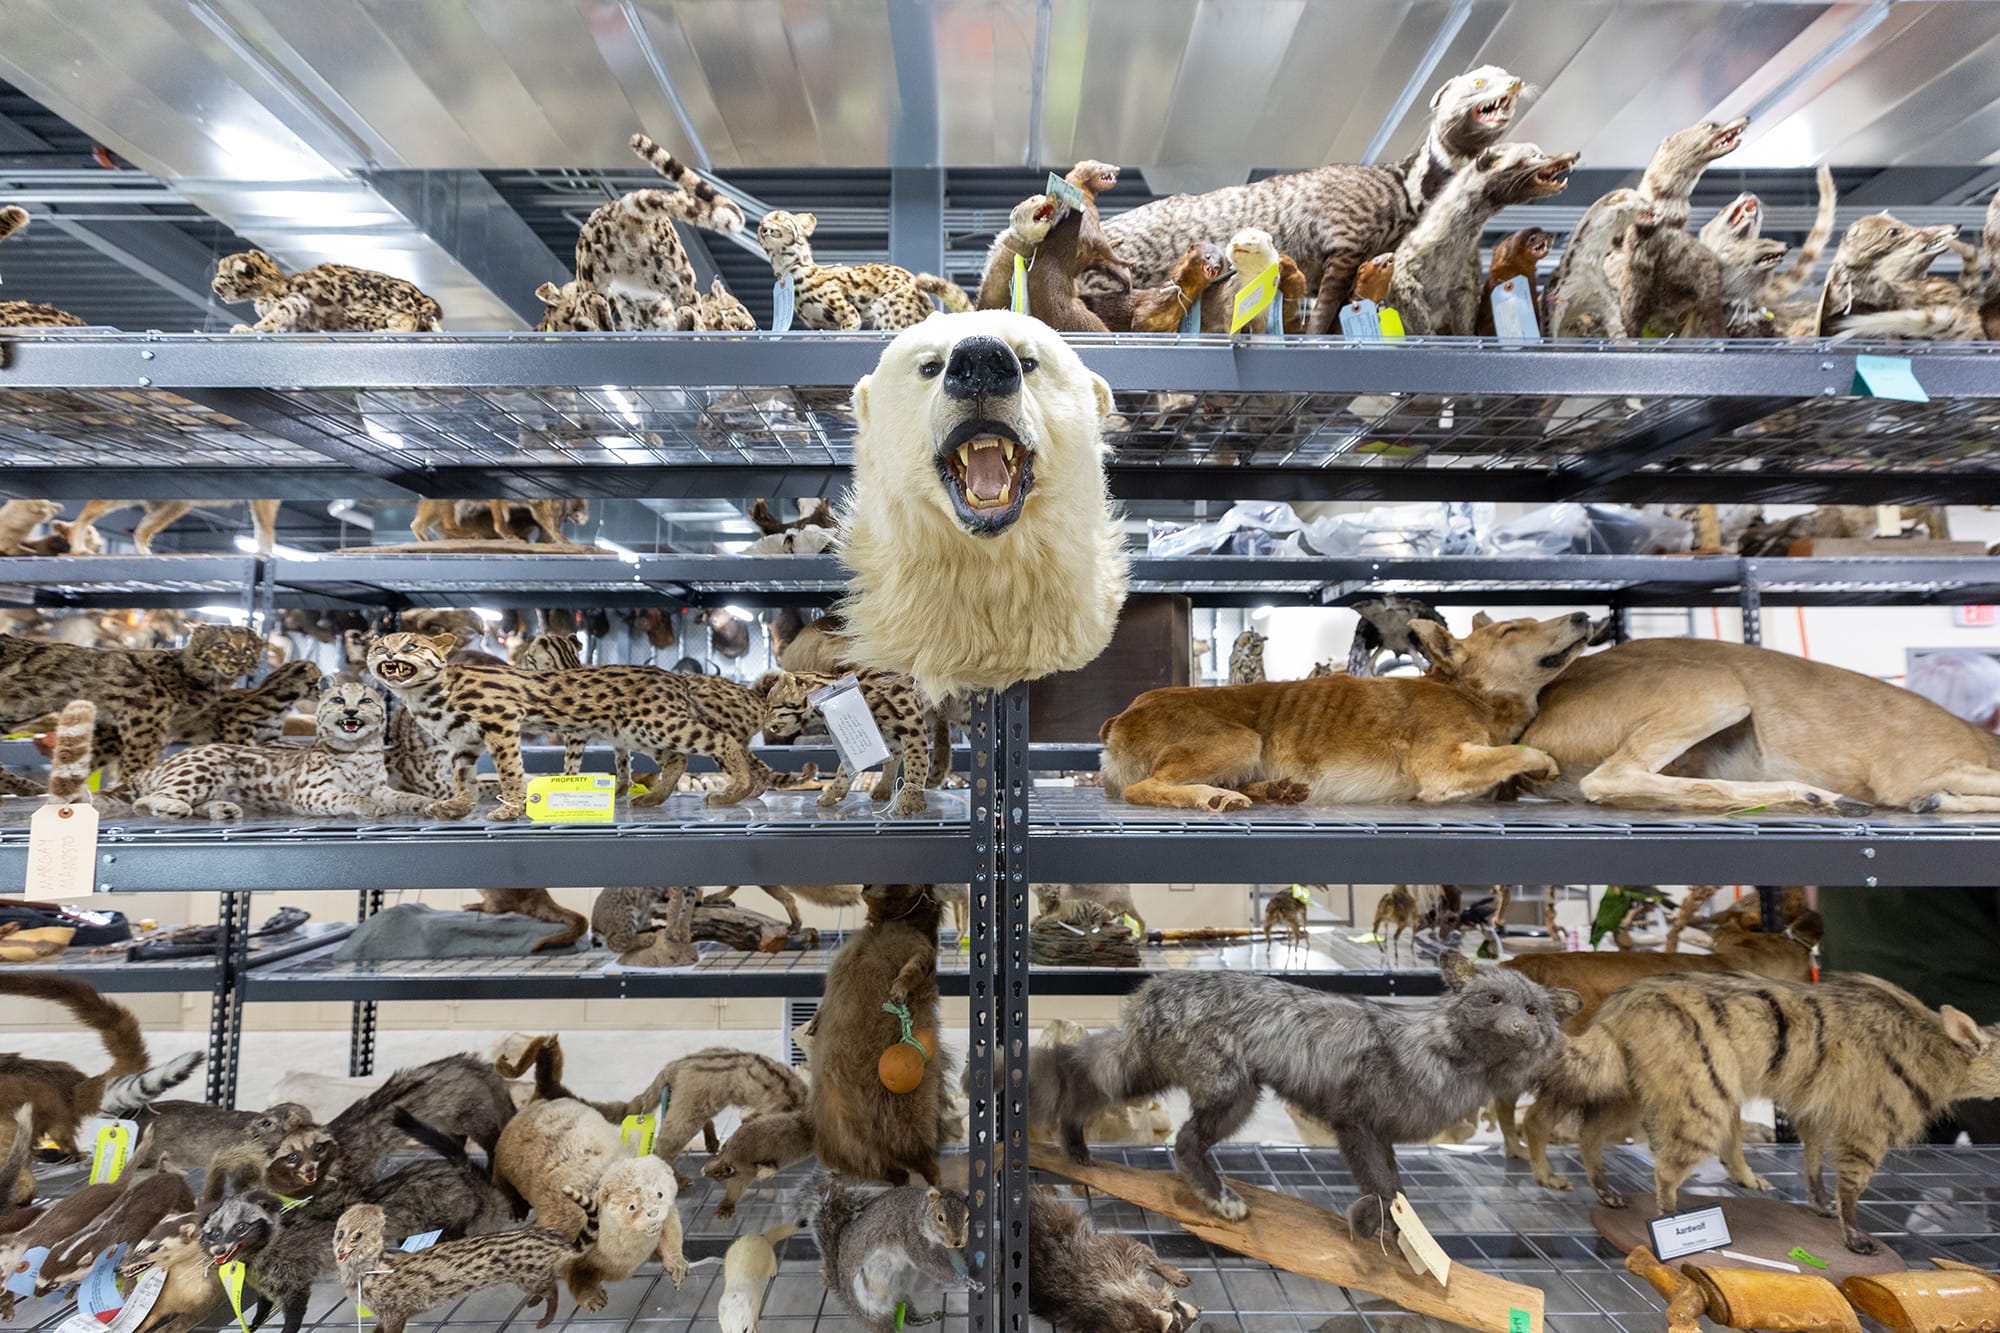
x,y
1804,1256
1519,1321
902,1312
231,1274
1302,893
1017,289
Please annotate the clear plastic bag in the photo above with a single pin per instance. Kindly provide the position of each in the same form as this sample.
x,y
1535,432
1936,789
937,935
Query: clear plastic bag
x,y
1591,529
1402,530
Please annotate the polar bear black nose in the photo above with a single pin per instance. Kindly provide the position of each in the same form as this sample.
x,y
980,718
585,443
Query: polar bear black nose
x,y
981,368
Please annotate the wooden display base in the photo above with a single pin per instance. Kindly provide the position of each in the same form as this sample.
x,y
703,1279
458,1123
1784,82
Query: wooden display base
x,y
1911,548
1762,1227
1312,1242
474,546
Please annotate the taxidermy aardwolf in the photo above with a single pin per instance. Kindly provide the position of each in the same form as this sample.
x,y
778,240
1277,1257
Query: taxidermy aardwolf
x,y
1440,737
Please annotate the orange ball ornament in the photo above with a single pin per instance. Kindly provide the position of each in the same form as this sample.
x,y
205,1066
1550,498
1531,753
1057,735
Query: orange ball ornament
x,y
901,1068
928,1040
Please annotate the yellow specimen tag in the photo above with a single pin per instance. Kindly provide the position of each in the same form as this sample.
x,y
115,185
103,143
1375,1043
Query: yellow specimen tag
x,y
640,1127
62,852
114,1149
231,1274
1302,893
1390,321
572,798
1254,298
1017,297
1417,1243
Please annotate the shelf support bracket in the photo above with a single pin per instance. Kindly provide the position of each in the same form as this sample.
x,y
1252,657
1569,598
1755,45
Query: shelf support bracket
x,y
225,1015
361,1029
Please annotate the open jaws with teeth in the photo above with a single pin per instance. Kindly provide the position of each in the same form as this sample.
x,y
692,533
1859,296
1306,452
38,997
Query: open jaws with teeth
x,y
1496,111
395,671
987,469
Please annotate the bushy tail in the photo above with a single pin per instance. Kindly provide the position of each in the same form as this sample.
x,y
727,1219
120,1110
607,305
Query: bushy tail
x,y
1934,323
1793,277
548,1069
705,207
129,1093
1588,1073
953,295
16,1160
12,218
829,1205
1067,1085
69,762
117,1027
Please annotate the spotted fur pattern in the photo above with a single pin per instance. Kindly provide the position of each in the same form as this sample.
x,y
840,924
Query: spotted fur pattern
x,y
27,314
632,272
899,714
660,713
327,298
848,296
138,692
241,717
340,773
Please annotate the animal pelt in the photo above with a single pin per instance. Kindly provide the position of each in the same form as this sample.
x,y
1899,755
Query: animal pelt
x,y
553,1146
1384,627
1436,285
538,904
1876,286
1060,259
63,1095
182,1136
758,1150
887,1248
1376,1074
860,1128
1752,284
460,1096
1681,1054
1028,224
1581,299
62,1219
1089,1281
1672,282
1441,737
1514,256
1161,309
701,1086
130,1217
980,532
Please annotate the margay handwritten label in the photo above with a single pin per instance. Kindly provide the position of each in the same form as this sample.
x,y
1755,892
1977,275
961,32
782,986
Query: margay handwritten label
x,y
62,852
850,724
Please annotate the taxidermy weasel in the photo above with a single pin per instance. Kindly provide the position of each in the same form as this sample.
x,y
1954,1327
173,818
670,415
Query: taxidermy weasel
x,y
759,1150
1875,290
141,1205
1436,283
1514,256
1161,309
61,1094
459,1095
1027,226
1089,1281
1752,286
1377,1075
191,1293
747,1269
396,1285
701,1086
1860,1066
888,1247
861,1128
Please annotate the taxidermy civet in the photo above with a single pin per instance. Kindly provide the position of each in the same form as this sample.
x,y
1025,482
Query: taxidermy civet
x,y
980,531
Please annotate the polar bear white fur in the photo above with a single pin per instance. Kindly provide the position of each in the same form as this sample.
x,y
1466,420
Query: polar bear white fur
x,y
969,592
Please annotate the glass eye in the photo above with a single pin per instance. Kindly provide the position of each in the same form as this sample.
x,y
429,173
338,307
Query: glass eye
x,y
1028,365
931,369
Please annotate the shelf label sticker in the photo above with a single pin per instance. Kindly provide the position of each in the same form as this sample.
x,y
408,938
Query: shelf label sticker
x,y
1514,312
1256,297
423,1240
850,724
636,1132
1888,377
1359,320
1678,1234
62,852
784,302
114,1139
1017,287
1417,1243
572,798
98,1295
130,1316
1063,190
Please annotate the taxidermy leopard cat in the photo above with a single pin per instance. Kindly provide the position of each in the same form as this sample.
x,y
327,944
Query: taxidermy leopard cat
x,y
632,272
138,692
327,298
664,714
341,773
27,314
1329,219
246,716
898,711
849,296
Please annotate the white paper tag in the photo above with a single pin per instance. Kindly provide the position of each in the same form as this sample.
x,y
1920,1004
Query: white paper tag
x,y
850,724
1677,1234
1417,1243
1514,312
1359,319
62,852
423,1240
137,1306
1888,520
783,303
1063,190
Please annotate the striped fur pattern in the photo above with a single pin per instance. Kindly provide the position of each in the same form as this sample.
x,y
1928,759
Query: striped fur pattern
x,y
701,1086
1859,1065
69,763
130,1092
61,1094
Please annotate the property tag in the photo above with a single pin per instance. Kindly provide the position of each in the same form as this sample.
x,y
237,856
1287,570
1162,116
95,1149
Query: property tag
x,y
231,1274
1063,190
62,852
1677,1234
22,1280
783,303
114,1149
1888,377
1417,1243
130,1316
98,1295
572,798
1254,298
1191,321
1017,288
1358,320
852,727
640,1128
1514,312
423,1240
1888,520
1391,321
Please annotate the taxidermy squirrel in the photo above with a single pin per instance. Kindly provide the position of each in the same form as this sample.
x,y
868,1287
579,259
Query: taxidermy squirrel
x,y
885,1248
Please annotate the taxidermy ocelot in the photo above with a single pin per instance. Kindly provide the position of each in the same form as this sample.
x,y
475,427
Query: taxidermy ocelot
x,y
980,530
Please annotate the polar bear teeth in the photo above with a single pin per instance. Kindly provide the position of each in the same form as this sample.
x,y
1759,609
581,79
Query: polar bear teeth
x,y
986,471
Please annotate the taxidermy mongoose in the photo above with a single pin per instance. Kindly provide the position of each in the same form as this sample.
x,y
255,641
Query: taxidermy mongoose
x,y
1027,226
758,1150
883,1248
1161,309
1514,256
1673,283
1860,1066
1436,283
1377,1075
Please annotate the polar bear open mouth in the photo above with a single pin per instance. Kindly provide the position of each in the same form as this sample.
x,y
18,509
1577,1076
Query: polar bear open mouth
x,y
987,471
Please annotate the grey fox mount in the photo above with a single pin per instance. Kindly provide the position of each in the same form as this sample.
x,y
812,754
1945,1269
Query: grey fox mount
x,y
1330,219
